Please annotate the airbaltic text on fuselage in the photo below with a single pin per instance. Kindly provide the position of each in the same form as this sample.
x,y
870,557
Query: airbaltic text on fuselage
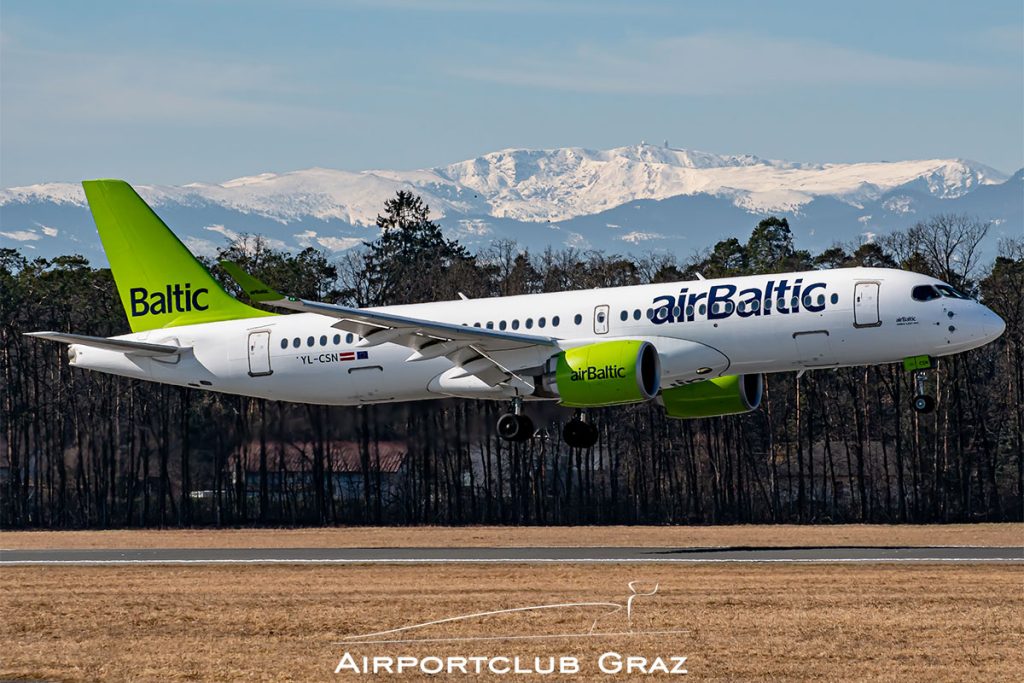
x,y
723,301
175,298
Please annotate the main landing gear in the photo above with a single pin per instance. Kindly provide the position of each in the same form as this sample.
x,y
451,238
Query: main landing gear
x,y
579,434
515,426
920,365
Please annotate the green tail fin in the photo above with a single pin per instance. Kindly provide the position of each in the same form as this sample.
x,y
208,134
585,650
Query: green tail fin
x,y
160,282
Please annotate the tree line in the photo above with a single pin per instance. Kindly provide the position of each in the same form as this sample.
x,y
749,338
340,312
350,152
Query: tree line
x,y
83,449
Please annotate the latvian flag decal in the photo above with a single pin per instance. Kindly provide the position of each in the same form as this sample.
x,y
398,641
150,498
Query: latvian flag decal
x,y
353,355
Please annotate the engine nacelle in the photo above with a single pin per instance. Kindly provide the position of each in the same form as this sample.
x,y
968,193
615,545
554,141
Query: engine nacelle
x,y
718,396
604,374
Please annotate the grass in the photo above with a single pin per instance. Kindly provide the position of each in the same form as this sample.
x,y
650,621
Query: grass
x,y
670,536
882,622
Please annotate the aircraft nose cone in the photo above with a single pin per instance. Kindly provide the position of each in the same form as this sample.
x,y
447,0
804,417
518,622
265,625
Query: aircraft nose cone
x,y
994,325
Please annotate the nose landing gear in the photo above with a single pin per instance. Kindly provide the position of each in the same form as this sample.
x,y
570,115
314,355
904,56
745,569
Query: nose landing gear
x,y
515,426
920,365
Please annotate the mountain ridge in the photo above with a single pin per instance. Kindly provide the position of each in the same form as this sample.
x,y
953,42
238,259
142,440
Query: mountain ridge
x,y
555,196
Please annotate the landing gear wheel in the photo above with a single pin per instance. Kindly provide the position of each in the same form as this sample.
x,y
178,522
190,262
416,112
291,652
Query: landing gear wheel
x,y
924,404
512,427
579,434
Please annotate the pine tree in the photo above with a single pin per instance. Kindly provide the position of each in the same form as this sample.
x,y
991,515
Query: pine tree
x,y
412,261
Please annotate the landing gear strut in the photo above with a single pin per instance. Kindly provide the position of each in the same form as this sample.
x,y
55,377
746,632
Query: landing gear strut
x,y
923,403
920,365
578,433
515,426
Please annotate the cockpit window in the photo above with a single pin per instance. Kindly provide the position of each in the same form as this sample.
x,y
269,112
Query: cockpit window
x,y
946,290
924,293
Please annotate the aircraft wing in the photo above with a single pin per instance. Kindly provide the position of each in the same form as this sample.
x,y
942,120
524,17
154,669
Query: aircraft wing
x,y
132,348
491,355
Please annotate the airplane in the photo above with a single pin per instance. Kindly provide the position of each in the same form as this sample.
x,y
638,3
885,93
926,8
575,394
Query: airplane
x,y
699,348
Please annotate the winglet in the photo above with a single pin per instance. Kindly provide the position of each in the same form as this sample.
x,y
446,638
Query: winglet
x,y
253,288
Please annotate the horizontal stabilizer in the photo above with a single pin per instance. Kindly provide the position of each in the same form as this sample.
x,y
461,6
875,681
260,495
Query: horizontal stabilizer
x,y
132,348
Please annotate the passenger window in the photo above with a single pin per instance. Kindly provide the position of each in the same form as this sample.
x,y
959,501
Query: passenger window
x,y
309,341
541,322
676,311
348,338
284,343
578,319
835,299
689,311
924,293
337,339
502,325
490,324
650,314
476,324
529,323
636,314
296,342
703,309
821,299
515,324
555,321
624,316
323,340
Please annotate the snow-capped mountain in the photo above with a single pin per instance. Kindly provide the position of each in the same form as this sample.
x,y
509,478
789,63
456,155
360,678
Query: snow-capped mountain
x,y
623,199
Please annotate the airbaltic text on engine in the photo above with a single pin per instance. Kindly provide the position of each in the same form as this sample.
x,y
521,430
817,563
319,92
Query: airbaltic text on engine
x,y
590,374
787,298
174,299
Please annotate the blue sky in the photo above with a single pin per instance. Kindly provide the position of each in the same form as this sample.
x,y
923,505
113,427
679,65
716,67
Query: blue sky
x,y
183,91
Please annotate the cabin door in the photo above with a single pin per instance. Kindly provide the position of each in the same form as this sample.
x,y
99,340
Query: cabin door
x,y
259,353
865,305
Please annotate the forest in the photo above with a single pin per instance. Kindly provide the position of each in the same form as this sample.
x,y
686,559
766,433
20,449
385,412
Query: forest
x,y
86,450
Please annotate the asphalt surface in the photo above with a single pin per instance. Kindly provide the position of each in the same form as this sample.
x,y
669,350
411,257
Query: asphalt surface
x,y
568,555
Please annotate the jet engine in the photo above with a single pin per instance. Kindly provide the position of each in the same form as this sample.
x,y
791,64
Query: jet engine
x,y
730,395
603,374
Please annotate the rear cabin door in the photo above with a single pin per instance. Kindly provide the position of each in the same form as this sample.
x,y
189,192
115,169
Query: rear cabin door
x,y
259,353
601,319
865,305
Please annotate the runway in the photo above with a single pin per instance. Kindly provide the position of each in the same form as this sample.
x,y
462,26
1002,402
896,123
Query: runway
x,y
523,555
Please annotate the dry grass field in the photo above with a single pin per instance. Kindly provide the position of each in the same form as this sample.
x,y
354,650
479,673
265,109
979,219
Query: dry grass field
x,y
881,622
668,536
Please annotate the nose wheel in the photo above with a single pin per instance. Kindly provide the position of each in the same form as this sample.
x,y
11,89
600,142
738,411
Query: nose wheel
x,y
923,402
578,433
515,426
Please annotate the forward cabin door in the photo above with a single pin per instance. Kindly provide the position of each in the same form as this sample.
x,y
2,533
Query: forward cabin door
x,y
259,353
601,319
865,305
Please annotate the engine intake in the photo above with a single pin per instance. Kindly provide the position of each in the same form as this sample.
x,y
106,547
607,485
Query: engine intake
x,y
604,374
729,395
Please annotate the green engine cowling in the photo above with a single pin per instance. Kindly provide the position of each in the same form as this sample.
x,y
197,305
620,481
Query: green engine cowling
x,y
729,395
605,374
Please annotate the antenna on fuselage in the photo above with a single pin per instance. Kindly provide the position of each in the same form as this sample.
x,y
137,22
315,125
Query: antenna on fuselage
x,y
463,296
700,277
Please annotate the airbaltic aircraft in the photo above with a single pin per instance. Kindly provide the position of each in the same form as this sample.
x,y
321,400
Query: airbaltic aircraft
x,y
698,348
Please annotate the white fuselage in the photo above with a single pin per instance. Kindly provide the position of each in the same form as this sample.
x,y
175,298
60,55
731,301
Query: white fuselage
x,y
843,317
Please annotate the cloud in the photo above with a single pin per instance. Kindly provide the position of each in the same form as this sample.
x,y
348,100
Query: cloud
x,y
719,64
172,89
227,232
22,235
48,231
